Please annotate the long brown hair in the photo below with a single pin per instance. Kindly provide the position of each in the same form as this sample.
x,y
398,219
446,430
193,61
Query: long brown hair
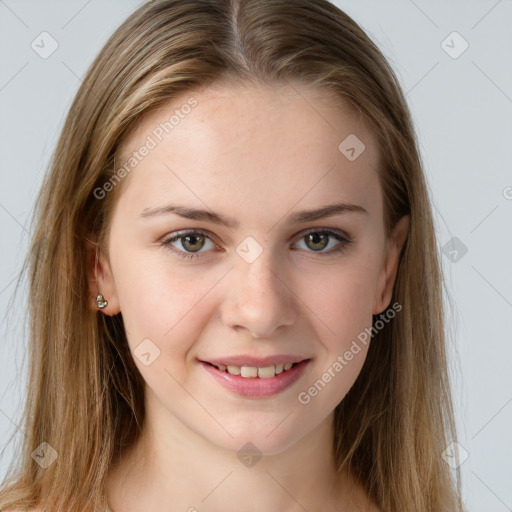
x,y
85,394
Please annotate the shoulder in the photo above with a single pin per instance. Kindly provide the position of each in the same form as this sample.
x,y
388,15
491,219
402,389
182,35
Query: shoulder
x,y
359,498
29,510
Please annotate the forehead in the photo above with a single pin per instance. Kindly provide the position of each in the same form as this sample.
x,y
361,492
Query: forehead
x,y
252,148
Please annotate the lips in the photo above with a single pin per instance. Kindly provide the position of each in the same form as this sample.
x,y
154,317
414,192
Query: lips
x,y
252,377
262,372
248,360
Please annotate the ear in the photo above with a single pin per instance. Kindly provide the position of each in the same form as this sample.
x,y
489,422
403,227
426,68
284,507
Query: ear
x,y
100,278
395,242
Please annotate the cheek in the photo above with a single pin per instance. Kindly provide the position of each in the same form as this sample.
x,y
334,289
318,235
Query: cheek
x,y
342,311
159,301
342,295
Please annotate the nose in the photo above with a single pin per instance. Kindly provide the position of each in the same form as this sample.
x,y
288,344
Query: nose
x,y
259,298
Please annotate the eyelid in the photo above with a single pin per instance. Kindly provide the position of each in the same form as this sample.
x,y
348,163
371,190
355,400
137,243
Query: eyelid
x,y
176,235
337,231
343,238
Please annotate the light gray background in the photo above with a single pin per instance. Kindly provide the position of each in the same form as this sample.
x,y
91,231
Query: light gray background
x,y
462,108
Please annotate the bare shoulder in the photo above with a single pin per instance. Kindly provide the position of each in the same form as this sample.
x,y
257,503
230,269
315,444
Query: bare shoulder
x,y
359,498
16,510
367,506
374,508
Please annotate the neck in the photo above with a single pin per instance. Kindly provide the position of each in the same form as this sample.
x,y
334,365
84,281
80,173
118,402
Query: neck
x,y
171,464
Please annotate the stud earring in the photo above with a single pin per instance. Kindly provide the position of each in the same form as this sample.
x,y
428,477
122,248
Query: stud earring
x,y
101,302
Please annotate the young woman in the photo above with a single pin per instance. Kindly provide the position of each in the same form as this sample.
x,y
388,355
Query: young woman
x,y
235,293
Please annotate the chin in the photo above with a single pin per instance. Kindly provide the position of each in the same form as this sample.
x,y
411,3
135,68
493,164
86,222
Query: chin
x,y
270,436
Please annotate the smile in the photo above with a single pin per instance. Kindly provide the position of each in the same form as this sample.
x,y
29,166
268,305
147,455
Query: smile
x,y
263,372
256,381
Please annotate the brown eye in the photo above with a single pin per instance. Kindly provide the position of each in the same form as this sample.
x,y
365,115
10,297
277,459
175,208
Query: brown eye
x,y
189,244
192,243
317,241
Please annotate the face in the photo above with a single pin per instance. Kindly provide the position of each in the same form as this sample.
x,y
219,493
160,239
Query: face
x,y
216,259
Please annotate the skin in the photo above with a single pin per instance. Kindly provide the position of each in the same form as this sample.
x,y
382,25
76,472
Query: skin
x,y
258,154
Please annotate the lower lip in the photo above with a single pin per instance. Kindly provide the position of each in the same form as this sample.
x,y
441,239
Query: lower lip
x,y
256,387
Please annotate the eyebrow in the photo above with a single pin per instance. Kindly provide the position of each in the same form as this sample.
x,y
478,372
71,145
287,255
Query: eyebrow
x,y
329,210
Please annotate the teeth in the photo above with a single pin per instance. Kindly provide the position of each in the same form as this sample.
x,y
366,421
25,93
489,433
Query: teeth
x,y
263,372
266,372
234,370
249,371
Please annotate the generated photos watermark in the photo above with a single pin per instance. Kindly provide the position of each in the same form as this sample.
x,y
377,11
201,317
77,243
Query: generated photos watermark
x,y
152,141
304,397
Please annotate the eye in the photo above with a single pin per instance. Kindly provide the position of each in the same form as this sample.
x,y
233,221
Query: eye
x,y
189,244
192,241
317,240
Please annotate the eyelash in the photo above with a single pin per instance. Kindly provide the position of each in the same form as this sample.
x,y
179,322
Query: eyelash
x,y
343,239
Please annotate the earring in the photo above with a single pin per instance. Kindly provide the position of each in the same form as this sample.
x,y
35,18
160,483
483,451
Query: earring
x,y
101,302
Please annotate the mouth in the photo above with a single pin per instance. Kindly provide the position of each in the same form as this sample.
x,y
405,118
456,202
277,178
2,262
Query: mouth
x,y
253,372
256,381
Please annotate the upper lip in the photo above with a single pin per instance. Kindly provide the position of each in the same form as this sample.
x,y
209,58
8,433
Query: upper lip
x,y
248,360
